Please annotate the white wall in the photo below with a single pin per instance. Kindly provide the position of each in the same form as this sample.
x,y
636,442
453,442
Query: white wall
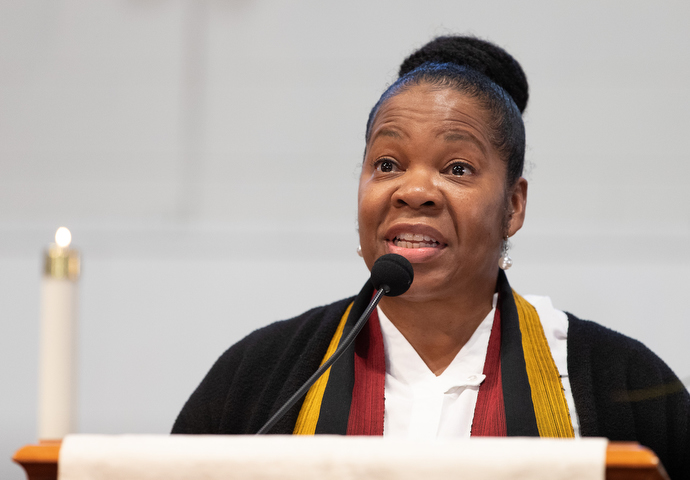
x,y
205,156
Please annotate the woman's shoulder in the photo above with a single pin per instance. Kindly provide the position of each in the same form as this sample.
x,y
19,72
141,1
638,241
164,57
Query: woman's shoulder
x,y
585,337
603,351
596,339
237,392
281,335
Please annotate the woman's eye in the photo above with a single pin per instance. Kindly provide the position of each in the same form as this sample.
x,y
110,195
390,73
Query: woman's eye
x,y
458,170
385,166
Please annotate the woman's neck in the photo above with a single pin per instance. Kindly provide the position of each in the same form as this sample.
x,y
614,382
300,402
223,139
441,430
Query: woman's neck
x,y
437,330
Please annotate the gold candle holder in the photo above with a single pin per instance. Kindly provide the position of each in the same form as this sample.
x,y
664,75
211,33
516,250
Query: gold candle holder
x,y
61,262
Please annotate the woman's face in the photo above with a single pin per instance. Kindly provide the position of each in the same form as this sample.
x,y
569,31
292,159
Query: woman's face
x,y
433,189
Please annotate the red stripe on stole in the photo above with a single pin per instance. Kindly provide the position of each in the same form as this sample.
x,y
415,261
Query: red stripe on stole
x,y
489,413
368,404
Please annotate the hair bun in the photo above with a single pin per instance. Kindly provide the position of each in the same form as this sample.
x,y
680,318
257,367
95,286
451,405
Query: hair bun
x,y
480,55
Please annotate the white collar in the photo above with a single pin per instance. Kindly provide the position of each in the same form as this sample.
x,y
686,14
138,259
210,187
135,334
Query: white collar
x,y
405,365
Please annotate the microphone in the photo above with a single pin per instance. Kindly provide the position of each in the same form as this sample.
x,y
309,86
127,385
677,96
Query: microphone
x,y
391,275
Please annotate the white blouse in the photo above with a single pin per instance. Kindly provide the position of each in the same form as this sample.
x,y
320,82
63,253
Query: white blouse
x,y
421,405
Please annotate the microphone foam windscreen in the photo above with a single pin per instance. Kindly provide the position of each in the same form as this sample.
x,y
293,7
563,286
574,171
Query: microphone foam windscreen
x,y
394,272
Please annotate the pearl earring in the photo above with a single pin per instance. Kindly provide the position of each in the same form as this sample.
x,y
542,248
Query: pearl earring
x,y
505,262
359,250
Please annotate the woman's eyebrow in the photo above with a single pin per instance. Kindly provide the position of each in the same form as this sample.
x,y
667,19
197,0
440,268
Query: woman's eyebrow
x,y
388,132
458,136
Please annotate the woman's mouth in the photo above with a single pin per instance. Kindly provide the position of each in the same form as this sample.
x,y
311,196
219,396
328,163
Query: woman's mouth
x,y
415,240
416,247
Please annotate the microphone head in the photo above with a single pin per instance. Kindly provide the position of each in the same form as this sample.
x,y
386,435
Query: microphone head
x,y
393,274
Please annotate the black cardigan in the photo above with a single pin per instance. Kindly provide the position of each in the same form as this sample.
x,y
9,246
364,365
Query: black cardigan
x,y
621,389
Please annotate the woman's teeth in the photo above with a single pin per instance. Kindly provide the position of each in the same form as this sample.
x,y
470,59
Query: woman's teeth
x,y
414,240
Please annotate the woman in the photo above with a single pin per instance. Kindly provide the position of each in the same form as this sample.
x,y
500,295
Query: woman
x,y
460,353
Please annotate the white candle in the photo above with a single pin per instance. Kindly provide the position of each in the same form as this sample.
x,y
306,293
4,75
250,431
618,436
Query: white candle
x,y
57,365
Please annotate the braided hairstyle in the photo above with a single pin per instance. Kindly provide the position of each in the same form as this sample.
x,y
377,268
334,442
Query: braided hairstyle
x,y
482,71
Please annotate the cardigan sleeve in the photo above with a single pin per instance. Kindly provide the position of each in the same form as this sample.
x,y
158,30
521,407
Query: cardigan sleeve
x,y
624,392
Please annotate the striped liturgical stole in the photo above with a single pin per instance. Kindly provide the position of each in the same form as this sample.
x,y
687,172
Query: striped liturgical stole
x,y
522,394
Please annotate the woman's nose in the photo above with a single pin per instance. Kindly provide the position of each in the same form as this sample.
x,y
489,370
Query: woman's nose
x,y
418,189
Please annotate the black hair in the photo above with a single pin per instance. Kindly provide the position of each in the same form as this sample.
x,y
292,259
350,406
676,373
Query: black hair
x,y
482,71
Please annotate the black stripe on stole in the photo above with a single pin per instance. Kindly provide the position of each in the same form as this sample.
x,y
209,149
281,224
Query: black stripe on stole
x,y
517,394
337,398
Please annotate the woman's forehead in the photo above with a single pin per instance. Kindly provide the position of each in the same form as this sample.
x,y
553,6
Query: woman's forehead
x,y
441,112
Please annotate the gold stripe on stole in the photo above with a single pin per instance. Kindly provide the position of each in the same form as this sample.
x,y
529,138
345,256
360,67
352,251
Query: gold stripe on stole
x,y
311,408
550,406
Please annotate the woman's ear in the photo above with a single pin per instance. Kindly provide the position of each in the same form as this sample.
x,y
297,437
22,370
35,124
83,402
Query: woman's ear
x,y
517,204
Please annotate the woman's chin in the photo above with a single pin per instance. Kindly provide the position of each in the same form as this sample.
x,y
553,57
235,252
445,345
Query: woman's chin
x,y
426,287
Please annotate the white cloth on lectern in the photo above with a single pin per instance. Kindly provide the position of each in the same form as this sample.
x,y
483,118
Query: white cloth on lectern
x,y
211,457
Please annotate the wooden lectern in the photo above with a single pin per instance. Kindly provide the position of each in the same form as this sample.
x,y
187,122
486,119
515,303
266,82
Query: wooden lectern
x,y
624,461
